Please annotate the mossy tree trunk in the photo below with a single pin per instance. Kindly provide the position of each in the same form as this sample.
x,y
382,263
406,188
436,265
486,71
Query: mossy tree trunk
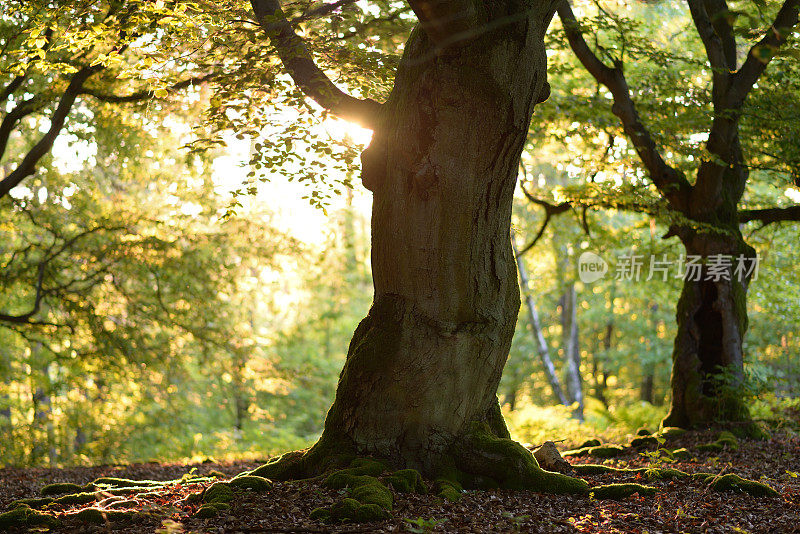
x,y
420,381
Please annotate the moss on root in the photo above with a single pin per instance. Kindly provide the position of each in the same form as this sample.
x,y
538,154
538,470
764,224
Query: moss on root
x,y
76,498
599,451
447,489
725,440
350,510
406,481
621,491
24,516
33,503
127,483
671,432
97,516
510,464
373,493
251,482
597,469
218,492
731,482
65,487
681,454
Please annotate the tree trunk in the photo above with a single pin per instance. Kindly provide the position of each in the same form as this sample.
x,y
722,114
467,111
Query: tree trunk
x,y
538,335
572,354
419,384
707,358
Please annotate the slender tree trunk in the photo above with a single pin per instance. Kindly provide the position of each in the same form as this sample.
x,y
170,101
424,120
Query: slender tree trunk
x,y
419,384
538,335
569,324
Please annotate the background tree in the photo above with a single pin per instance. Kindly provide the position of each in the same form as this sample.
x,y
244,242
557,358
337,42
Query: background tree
x,y
705,215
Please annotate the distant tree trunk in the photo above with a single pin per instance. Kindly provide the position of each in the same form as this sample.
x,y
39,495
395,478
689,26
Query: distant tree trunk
x,y
646,391
536,329
572,355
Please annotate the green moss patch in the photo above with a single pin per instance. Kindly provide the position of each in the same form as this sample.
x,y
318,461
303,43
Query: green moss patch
x,y
373,494
77,498
406,481
731,482
448,490
218,492
127,483
591,442
725,440
33,503
341,480
251,482
599,451
510,464
681,454
97,516
643,432
24,516
597,469
621,491
350,510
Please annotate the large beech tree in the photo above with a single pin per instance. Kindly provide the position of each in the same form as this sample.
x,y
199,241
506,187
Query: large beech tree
x,y
419,384
711,313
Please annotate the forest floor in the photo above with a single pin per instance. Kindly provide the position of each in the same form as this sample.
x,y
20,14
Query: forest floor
x,y
685,505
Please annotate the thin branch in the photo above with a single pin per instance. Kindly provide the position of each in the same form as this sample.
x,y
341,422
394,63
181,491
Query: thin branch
x,y
20,111
297,60
28,164
671,182
762,52
25,317
144,95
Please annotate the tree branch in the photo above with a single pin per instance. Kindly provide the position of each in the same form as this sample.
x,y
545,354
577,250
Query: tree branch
x,y
761,53
709,20
28,164
672,183
12,86
300,65
144,95
20,111
25,317
770,215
